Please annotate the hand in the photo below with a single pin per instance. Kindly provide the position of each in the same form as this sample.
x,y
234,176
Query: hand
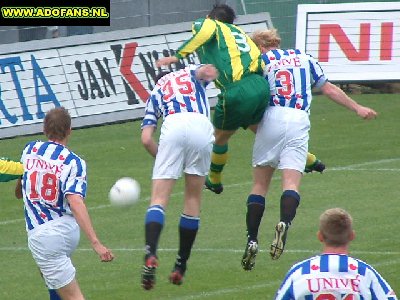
x,y
366,113
207,72
104,253
166,61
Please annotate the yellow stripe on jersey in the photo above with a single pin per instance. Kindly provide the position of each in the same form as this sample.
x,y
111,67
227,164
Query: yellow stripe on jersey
x,y
255,54
234,52
206,31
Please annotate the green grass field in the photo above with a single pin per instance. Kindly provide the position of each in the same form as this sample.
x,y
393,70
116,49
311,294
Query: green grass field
x,y
363,161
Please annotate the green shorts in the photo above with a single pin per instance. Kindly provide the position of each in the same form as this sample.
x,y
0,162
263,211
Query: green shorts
x,y
242,103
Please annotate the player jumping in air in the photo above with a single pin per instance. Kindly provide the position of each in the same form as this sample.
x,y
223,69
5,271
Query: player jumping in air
x,y
244,92
282,136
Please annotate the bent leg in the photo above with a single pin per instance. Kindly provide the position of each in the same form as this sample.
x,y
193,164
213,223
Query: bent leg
x,y
219,156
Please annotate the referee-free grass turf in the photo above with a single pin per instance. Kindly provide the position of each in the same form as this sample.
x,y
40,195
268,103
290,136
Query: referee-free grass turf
x,y
362,176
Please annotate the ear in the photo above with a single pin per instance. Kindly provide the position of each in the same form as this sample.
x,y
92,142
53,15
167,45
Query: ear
x,y
352,236
320,237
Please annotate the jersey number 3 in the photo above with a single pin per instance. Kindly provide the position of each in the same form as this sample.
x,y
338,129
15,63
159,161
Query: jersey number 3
x,y
241,42
284,82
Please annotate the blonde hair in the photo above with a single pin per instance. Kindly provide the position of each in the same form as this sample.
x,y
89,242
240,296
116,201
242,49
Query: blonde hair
x,y
268,38
336,227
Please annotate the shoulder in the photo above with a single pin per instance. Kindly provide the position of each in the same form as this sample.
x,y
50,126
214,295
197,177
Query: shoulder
x,y
32,146
32,143
203,23
199,22
75,159
364,266
305,54
299,266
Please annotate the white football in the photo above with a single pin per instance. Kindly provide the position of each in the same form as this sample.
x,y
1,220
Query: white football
x,y
124,192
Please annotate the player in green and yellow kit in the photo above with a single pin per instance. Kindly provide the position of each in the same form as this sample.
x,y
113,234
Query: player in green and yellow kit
x,y
10,170
244,91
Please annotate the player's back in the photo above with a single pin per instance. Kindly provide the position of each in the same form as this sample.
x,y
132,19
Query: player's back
x,y
179,92
51,171
291,75
334,276
229,49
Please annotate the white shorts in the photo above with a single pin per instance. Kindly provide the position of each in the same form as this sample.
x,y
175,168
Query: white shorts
x,y
185,145
282,139
51,245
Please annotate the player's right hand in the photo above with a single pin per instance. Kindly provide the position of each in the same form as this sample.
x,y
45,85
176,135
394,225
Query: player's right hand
x,y
366,113
207,72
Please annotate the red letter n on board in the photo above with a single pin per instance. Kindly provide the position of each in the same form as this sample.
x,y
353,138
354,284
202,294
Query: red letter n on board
x,y
334,30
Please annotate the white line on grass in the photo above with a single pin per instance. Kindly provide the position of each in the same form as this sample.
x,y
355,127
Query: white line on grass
x,y
387,263
11,221
368,163
288,251
347,168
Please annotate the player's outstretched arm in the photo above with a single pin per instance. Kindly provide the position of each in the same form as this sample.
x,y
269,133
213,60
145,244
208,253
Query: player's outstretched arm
x,y
337,95
82,217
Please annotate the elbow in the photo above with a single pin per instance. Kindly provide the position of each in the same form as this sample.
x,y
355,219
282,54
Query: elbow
x,y
18,194
147,136
332,91
146,141
18,190
331,95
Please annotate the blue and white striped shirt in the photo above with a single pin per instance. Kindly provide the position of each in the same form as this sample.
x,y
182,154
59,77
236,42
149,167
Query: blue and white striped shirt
x,y
334,277
291,75
51,171
177,92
